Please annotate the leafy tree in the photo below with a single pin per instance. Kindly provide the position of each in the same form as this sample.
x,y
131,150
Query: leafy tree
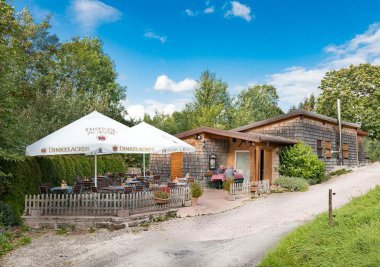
x,y
358,87
256,103
212,103
372,148
309,104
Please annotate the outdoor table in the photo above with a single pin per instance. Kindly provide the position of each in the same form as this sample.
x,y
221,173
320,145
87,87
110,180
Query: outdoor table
x,y
68,189
113,188
219,179
132,182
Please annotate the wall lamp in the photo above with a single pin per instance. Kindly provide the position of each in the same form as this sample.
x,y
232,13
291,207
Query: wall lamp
x,y
198,137
204,143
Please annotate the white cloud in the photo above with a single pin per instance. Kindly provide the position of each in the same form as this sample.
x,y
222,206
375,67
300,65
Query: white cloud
x,y
209,10
190,13
239,10
163,83
296,83
151,106
91,13
153,35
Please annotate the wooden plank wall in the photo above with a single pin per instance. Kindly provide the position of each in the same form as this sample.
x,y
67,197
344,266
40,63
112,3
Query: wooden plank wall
x,y
176,165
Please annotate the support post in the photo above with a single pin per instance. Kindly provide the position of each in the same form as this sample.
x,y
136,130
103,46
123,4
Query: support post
x,y
143,164
96,170
330,208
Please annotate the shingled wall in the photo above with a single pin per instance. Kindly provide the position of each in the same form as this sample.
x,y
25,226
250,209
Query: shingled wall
x,y
196,164
309,131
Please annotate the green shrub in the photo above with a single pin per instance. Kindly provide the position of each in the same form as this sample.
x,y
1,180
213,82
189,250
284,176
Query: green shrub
x,y
300,161
292,183
196,190
227,183
8,216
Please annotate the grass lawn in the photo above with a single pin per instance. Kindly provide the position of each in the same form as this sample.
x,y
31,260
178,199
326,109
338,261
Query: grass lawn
x,y
354,240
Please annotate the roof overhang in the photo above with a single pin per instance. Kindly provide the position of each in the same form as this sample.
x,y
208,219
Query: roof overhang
x,y
253,137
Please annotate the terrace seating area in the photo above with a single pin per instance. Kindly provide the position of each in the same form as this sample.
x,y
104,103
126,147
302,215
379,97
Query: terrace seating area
x,y
126,183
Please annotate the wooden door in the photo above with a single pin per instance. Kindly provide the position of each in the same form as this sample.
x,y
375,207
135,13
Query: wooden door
x,y
176,165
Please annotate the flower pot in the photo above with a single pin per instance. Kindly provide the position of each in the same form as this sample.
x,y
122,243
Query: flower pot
x,y
161,200
194,201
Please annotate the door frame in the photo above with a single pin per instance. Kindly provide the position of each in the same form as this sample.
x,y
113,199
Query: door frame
x,y
249,161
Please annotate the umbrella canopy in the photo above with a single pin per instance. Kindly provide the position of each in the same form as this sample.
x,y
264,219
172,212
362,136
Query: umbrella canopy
x,y
161,141
93,133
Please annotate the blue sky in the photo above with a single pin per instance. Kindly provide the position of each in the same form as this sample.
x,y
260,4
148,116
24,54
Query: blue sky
x,y
161,47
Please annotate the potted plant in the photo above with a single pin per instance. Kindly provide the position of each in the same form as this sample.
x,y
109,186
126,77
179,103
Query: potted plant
x,y
196,191
161,197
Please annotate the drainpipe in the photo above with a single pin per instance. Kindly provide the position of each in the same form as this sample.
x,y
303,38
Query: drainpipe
x,y
340,132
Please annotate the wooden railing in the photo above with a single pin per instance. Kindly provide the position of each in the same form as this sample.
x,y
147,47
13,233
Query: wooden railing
x,y
100,203
240,188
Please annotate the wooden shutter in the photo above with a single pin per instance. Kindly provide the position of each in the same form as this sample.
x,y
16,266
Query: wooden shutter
x,y
345,151
328,149
176,163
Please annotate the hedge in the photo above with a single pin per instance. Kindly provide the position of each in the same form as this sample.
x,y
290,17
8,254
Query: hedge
x,y
26,175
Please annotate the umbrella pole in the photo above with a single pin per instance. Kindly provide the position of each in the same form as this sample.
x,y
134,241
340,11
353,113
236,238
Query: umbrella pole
x,y
144,164
96,171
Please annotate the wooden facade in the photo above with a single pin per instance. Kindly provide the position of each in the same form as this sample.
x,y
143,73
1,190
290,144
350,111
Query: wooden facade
x,y
263,141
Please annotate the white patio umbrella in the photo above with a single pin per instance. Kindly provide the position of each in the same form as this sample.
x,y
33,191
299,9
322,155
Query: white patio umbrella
x,y
162,142
93,134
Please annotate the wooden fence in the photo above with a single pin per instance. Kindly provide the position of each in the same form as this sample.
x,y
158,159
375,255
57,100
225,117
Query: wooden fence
x,y
100,203
245,188
240,189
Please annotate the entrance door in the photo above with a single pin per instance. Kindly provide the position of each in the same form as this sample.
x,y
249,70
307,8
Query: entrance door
x,y
262,171
176,163
242,163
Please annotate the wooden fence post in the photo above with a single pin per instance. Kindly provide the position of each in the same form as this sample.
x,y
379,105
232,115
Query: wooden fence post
x,y
330,208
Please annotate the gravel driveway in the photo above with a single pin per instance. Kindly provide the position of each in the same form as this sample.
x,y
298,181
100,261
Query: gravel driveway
x,y
238,237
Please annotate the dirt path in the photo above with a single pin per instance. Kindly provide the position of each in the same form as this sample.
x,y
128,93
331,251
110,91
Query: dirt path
x,y
238,237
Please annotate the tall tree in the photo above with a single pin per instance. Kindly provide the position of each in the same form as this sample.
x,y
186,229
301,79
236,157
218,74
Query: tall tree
x,y
212,105
358,87
256,103
45,84
309,104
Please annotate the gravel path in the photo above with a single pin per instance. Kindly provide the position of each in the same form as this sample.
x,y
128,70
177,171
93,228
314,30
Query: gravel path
x,y
238,237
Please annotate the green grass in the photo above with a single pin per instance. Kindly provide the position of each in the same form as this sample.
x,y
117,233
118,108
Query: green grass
x,y
354,240
340,172
10,240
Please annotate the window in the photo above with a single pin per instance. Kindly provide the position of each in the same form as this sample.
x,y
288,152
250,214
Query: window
x,y
345,151
319,149
328,149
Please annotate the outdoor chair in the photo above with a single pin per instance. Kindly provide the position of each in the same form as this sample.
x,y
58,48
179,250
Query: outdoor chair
x,y
87,185
172,185
94,189
147,185
128,190
44,189
156,178
77,189
139,188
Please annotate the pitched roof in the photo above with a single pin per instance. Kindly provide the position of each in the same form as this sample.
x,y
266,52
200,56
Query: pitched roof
x,y
295,113
254,137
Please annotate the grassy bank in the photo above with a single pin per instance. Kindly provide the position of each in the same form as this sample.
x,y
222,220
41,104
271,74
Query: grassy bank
x,y
354,240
